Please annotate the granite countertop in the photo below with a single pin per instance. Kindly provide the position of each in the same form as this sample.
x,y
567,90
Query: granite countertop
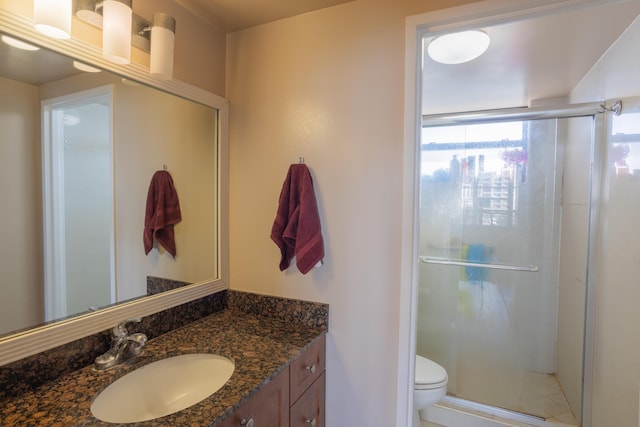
x,y
261,348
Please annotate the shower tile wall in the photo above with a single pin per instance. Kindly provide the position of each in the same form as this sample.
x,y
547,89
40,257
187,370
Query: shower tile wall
x,y
617,336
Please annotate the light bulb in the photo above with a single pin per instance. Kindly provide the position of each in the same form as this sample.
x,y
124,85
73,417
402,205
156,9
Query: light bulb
x,y
116,31
53,18
162,46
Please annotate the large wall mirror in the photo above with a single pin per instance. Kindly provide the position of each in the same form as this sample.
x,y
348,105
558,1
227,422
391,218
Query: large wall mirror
x,y
78,150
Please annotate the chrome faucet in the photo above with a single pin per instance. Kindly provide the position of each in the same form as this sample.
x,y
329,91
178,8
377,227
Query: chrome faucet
x,y
124,346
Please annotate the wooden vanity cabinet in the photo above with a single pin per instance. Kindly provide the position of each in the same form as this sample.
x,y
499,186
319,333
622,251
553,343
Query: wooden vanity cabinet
x,y
308,410
267,408
307,387
306,369
295,398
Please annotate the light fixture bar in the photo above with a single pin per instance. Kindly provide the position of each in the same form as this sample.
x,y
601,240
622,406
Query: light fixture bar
x,y
121,29
90,11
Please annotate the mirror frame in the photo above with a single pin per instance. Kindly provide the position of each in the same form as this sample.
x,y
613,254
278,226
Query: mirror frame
x,y
35,340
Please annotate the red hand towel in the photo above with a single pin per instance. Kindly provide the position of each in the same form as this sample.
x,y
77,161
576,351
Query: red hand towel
x,y
163,211
296,228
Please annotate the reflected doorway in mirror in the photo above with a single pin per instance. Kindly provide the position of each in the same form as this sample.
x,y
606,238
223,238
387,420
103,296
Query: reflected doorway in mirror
x,y
79,248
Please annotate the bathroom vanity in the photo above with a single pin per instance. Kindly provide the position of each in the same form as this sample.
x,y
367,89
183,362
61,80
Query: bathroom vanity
x,y
279,375
294,398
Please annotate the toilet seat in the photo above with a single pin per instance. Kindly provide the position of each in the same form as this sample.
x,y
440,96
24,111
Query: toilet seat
x,y
428,374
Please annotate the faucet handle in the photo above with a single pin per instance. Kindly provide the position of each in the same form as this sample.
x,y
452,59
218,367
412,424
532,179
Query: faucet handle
x,y
120,330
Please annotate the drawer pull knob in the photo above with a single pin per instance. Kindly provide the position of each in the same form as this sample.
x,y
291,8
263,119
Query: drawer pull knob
x,y
311,368
247,423
312,421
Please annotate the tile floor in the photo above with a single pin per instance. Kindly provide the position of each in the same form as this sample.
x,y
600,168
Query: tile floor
x,y
544,397
525,392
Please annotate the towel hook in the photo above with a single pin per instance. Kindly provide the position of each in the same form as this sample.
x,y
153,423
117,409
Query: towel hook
x,y
164,167
301,160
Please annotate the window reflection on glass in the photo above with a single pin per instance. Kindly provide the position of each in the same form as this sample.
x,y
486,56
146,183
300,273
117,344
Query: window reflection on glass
x,y
483,165
624,152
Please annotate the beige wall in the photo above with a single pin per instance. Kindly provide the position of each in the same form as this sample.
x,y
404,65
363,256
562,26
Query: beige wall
x,y
328,86
617,336
21,301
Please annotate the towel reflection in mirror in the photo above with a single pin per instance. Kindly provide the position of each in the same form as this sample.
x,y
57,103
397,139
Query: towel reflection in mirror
x,y
162,213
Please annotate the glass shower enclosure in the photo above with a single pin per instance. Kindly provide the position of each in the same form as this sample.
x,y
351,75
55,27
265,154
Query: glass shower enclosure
x,y
495,308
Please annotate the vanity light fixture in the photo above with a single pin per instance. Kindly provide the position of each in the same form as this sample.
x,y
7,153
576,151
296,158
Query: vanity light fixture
x,y
18,44
141,33
53,18
116,30
163,29
156,37
457,48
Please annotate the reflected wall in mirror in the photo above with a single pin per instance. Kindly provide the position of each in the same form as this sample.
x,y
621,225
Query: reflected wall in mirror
x,y
99,154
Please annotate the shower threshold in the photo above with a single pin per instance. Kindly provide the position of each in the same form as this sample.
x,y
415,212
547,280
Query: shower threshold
x,y
457,412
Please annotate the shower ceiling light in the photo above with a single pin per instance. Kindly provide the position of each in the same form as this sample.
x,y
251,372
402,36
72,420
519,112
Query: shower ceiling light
x,y
457,48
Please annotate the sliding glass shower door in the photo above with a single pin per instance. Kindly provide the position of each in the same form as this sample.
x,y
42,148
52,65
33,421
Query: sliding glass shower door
x,y
490,245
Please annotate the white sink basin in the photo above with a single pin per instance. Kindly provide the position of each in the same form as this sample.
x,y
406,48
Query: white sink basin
x,y
162,388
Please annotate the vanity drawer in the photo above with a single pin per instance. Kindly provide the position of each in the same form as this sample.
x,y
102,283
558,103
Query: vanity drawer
x,y
306,369
269,407
308,411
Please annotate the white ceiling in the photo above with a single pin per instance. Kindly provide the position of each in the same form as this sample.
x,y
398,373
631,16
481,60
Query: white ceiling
x,y
233,15
528,60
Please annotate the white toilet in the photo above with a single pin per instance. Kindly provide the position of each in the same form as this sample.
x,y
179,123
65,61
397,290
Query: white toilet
x,y
429,387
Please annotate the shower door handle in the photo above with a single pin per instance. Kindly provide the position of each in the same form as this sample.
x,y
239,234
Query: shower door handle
x,y
463,263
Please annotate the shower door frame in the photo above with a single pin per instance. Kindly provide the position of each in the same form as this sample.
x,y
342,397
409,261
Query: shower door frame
x,y
597,147
417,27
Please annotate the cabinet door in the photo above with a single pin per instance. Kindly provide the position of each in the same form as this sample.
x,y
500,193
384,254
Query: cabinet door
x,y
269,407
308,411
306,369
